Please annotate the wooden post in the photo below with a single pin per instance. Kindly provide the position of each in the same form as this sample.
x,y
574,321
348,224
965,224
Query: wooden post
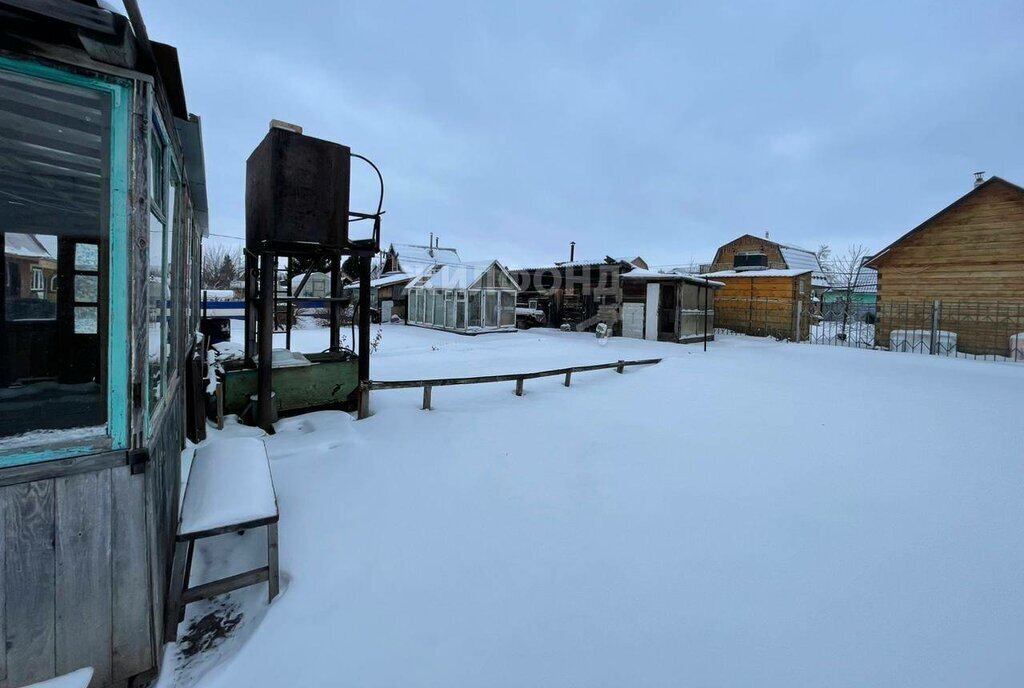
x,y
519,387
364,403
273,577
621,368
568,378
220,404
933,347
426,397
173,611
796,326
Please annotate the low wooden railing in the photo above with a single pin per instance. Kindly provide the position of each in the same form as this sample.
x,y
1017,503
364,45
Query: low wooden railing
x,y
519,378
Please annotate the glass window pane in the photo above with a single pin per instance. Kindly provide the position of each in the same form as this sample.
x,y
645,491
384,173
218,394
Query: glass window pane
x,y
449,310
156,170
87,289
508,308
460,317
172,276
56,138
86,319
438,309
474,309
157,308
87,257
490,309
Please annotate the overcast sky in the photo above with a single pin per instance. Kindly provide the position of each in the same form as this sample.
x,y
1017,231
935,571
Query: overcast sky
x,y
510,129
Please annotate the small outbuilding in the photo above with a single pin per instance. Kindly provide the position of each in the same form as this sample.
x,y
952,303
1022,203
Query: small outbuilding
x,y
668,307
764,303
468,298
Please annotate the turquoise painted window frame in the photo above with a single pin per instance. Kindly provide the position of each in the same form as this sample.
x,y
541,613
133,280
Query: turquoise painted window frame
x,y
117,242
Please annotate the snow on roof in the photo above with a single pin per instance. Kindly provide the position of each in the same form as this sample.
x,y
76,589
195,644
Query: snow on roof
x,y
582,262
390,279
26,246
757,273
461,276
801,258
424,254
864,282
640,273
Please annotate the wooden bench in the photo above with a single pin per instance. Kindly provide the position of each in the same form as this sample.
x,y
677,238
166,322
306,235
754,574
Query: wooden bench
x,y
229,489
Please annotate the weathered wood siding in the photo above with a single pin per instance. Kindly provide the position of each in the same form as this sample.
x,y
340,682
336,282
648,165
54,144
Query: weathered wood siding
x,y
970,257
73,549
764,306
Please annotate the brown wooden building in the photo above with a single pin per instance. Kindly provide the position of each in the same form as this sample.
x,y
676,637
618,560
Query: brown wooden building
x,y
764,303
970,257
750,252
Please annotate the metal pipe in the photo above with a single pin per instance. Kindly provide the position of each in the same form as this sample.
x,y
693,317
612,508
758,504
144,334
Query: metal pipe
x,y
364,318
265,341
335,306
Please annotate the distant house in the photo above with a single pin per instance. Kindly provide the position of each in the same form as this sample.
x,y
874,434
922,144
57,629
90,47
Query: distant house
x,y
750,252
855,298
578,293
970,257
396,268
30,276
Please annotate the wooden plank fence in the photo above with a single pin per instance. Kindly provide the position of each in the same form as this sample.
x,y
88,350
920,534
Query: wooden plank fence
x,y
519,378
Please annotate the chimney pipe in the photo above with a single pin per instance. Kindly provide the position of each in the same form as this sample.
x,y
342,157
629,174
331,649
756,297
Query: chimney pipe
x,y
430,246
979,178
572,251
766,234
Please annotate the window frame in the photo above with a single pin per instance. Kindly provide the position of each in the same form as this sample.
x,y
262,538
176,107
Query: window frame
x,y
116,433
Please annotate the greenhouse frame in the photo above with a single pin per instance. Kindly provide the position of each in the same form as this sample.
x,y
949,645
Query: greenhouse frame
x,y
468,298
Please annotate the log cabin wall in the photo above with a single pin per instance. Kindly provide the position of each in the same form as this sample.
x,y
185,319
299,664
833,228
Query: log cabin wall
x,y
969,256
748,242
764,306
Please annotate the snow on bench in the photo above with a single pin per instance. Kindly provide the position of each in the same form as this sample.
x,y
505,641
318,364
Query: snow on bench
x,y
76,679
229,485
229,489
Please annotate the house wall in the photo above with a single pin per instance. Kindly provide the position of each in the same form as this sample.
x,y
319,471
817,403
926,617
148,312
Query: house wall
x,y
86,544
971,257
764,306
725,254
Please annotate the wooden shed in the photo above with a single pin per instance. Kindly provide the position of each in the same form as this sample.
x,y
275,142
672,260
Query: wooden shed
x,y
970,257
106,164
668,307
765,303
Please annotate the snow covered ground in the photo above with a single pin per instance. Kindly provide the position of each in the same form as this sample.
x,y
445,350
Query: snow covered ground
x,y
763,514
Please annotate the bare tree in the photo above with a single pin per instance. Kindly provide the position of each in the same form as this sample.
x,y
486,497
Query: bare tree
x,y
844,271
222,265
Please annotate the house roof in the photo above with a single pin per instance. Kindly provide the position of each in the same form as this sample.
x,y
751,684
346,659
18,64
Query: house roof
x,y
985,184
651,275
452,276
26,246
758,273
582,262
425,254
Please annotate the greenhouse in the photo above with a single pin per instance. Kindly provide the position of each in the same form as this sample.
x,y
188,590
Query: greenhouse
x,y
469,298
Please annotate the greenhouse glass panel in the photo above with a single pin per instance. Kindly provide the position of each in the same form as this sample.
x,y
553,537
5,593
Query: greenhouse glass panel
x,y
449,309
438,309
428,308
490,308
460,314
508,308
474,309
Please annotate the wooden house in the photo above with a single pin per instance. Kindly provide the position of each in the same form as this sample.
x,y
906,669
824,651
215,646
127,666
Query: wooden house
x,y
750,252
668,306
764,303
578,293
970,257
106,162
